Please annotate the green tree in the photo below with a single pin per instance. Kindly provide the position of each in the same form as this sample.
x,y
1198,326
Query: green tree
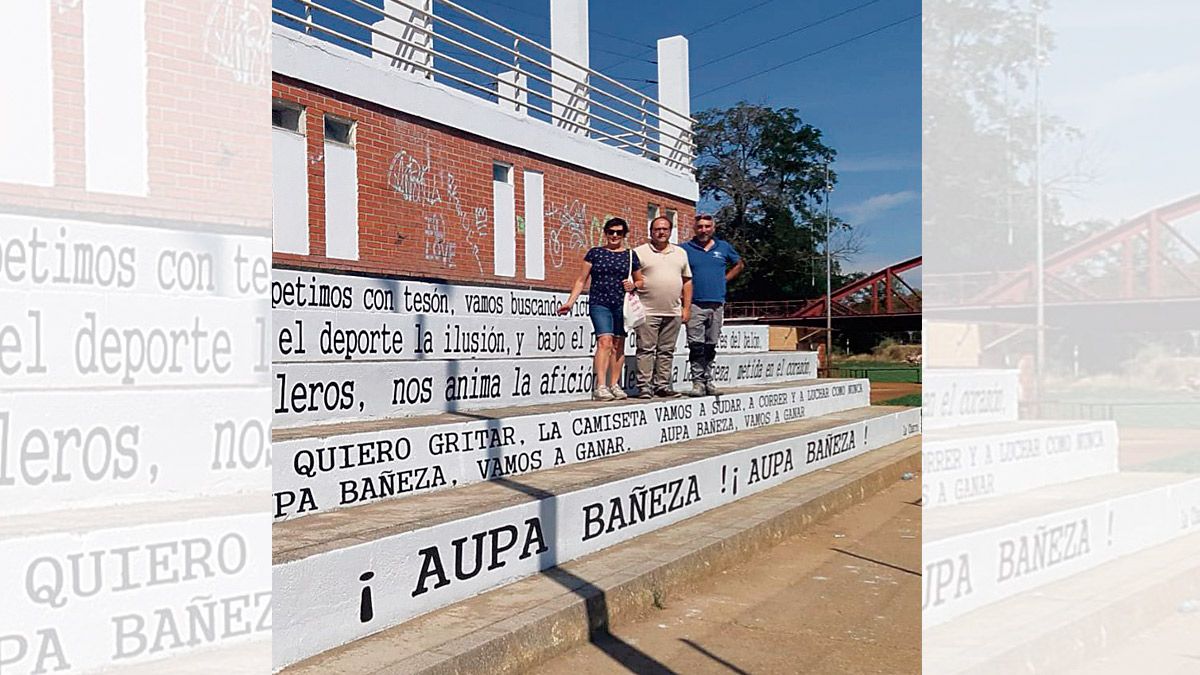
x,y
980,59
764,169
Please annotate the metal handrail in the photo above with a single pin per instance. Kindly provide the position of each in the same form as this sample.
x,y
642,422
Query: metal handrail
x,y
503,29
516,54
494,59
473,85
678,147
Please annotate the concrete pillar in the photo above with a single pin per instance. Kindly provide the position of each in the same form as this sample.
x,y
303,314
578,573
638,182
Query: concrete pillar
x,y
674,92
569,38
415,46
507,84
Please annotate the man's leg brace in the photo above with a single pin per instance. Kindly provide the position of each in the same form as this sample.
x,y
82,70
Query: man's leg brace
x,y
696,364
710,355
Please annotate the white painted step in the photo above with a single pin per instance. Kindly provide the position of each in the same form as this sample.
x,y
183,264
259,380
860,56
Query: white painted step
x,y
976,554
342,336
312,393
955,397
964,464
308,291
320,469
341,576
101,588
79,449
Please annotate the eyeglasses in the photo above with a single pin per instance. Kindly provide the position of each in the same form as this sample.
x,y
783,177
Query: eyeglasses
x,y
616,233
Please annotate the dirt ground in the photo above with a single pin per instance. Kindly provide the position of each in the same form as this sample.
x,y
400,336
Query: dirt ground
x,y
842,597
1159,449
885,391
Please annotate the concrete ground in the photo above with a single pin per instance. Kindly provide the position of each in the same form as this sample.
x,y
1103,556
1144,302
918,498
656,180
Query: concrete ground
x,y
1167,648
841,597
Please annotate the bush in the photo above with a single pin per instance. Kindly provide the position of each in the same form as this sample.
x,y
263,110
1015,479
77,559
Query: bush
x,y
890,350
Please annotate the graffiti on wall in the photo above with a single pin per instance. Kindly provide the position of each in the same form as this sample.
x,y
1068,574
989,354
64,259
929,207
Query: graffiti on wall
x,y
414,179
569,228
474,224
437,248
569,231
237,36
417,180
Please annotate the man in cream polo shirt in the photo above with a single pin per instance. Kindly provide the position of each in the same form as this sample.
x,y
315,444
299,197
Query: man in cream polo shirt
x,y
667,297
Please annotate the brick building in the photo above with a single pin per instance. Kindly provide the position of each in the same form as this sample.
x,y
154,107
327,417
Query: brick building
x,y
388,164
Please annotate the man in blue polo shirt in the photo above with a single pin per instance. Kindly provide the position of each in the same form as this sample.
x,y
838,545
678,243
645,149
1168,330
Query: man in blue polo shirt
x,y
713,263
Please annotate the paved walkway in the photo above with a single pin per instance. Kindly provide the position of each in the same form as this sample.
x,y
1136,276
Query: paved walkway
x,y
843,597
1167,648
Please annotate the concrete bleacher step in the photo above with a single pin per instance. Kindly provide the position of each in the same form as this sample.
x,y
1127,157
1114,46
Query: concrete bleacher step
x,y
305,394
1072,622
978,461
991,550
515,627
471,403
325,467
184,580
339,336
352,348
345,574
337,317
955,397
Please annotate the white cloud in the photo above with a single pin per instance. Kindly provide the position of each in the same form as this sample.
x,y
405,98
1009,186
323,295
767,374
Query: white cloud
x,y
1128,79
873,207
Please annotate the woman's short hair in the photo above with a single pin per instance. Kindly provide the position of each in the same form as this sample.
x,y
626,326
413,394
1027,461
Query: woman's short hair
x,y
617,222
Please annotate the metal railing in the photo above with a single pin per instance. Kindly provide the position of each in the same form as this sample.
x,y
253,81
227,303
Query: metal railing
x,y
1178,414
484,58
906,373
782,309
766,309
953,289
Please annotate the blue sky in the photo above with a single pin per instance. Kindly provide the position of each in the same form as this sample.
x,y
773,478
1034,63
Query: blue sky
x,y
1109,94
865,94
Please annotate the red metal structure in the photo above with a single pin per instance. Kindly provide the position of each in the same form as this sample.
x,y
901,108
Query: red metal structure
x,y
882,294
1143,274
1138,259
862,297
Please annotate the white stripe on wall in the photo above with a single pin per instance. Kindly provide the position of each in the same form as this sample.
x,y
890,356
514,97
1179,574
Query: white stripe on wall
x,y
505,247
535,237
289,192
27,85
341,202
114,97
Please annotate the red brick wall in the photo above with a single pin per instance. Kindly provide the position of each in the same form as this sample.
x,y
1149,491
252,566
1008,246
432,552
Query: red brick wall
x,y
209,150
396,230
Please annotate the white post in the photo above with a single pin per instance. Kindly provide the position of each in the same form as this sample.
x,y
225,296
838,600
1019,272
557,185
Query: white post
x,y
413,51
674,92
27,127
511,84
115,117
569,38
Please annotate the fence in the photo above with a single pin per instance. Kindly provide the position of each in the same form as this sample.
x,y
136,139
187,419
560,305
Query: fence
x,y
885,374
472,53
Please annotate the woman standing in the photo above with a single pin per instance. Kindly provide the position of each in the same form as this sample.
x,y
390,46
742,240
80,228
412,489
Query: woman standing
x,y
611,268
